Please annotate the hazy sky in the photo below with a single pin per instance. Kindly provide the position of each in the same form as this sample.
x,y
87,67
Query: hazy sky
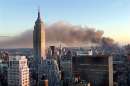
x,y
111,16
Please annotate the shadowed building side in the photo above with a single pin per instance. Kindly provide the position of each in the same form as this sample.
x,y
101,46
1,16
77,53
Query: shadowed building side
x,y
97,70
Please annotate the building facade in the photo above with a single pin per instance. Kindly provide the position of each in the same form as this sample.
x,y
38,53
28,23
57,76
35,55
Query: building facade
x,y
97,70
49,67
18,71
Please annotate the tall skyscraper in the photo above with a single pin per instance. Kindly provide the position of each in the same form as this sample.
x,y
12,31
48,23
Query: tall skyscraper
x,y
39,40
18,71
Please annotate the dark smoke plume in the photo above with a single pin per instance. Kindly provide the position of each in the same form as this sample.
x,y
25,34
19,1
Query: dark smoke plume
x,y
60,32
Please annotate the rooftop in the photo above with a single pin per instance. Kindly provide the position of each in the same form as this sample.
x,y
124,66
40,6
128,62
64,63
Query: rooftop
x,y
17,58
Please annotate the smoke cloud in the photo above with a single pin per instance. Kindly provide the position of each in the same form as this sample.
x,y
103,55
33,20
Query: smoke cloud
x,y
60,32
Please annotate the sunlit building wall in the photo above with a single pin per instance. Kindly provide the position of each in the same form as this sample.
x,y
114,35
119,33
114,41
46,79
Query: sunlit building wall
x,y
18,71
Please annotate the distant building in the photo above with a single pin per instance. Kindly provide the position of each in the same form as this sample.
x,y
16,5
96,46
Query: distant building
x,y
4,57
39,45
120,70
3,67
50,68
3,73
39,40
96,70
66,68
18,71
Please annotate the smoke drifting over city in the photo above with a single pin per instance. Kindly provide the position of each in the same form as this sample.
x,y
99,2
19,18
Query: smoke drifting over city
x,y
60,32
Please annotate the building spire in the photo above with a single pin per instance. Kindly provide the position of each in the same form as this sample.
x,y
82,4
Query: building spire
x,y
39,17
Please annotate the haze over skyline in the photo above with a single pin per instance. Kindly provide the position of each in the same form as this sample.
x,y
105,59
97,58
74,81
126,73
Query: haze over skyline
x,y
111,16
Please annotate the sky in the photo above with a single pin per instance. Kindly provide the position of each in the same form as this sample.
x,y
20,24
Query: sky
x,y
111,16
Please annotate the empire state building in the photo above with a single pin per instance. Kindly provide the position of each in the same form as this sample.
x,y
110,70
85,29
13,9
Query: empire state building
x,y
39,40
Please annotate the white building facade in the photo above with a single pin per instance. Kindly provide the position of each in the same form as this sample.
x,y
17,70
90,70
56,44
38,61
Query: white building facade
x,y
18,71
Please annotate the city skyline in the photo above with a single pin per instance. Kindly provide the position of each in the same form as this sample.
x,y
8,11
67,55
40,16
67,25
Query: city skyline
x,y
64,43
110,16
